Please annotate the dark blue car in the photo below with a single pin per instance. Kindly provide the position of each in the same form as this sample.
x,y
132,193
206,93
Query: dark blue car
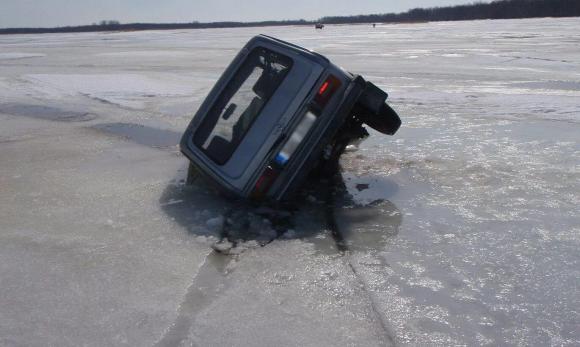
x,y
277,113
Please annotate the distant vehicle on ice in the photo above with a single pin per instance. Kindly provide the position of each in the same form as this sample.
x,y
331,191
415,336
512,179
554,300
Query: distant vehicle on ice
x,y
319,26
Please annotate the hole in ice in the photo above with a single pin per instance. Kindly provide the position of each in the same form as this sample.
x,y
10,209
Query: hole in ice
x,y
321,206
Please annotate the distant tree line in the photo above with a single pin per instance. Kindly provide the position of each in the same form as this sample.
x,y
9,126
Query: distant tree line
x,y
500,9
503,9
116,26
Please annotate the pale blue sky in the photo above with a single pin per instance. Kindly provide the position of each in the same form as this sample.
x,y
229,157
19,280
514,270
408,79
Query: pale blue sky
x,y
50,13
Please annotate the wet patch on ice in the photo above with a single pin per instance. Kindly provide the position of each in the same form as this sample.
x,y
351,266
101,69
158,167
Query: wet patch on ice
x,y
142,134
358,214
517,57
17,55
147,54
366,190
518,37
45,112
367,228
512,68
557,85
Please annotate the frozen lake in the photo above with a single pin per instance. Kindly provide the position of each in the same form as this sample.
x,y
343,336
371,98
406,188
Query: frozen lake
x,y
462,229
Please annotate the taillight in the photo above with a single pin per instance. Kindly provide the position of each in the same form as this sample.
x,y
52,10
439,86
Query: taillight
x,y
325,92
323,88
265,181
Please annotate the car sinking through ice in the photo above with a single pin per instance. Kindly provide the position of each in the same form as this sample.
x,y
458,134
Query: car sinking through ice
x,y
278,113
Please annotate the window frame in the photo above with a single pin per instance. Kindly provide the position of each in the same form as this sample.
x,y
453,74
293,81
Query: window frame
x,y
229,91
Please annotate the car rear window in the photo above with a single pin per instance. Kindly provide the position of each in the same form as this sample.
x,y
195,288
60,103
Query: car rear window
x,y
240,103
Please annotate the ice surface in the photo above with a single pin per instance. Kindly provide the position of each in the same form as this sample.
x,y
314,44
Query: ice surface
x,y
123,89
462,229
